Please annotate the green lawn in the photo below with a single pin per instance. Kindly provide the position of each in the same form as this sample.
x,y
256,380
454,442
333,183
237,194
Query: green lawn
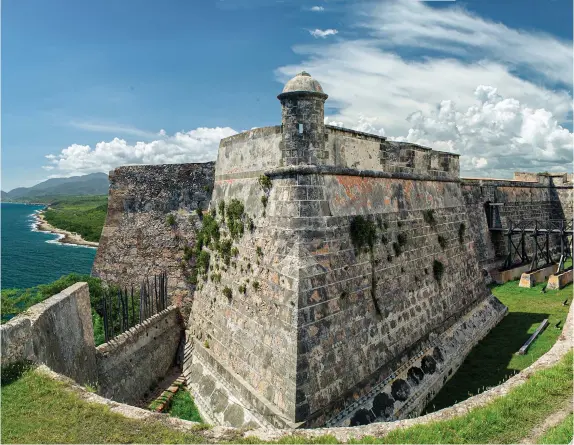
x,y
494,359
37,409
85,215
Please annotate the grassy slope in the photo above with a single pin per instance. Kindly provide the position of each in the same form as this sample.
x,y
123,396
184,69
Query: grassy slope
x,y
561,433
37,409
494,360
85,215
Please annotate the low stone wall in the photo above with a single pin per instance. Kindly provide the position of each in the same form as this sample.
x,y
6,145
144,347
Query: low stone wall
x,y
560,280
531,279
132,363
57,332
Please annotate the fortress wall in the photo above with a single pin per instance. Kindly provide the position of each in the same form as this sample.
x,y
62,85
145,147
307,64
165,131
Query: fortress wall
x,y
136,240
362,315
253,334
353,149
314,302
251,151
132,363
57,332
521,200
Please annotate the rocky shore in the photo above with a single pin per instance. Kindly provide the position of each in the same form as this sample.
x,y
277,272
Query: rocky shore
x,y
65,237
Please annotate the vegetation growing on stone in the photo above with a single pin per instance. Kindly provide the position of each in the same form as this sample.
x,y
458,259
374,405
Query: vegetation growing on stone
x,y
235,211
255,285
225,250
402,239
221,207
441,241
428,216
216,278
265,182
397,249
461,232
227,292
199,213
264,200
437,270
170,220
203,261
259,252
242,289
363,233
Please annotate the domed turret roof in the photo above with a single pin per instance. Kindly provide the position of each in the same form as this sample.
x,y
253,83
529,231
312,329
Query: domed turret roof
x,y
303,82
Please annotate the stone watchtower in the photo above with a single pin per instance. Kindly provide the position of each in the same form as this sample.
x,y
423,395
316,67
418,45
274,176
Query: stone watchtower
x,y
302,121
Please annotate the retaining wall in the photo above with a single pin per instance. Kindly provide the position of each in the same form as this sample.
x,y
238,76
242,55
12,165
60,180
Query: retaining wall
x,y
57,332
132,364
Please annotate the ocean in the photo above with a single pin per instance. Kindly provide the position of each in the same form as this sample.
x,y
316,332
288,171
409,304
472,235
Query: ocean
x,y
30,257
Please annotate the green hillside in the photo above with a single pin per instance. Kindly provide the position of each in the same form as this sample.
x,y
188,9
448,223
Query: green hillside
x,y
81,214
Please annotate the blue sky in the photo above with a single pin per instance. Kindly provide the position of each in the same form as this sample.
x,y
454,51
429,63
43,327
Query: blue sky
x,y
92,83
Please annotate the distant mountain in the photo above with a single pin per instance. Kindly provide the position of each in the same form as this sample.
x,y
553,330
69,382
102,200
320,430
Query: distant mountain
x,y
92,184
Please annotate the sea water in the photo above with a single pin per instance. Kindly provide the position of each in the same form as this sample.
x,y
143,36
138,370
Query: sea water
x,y
30,257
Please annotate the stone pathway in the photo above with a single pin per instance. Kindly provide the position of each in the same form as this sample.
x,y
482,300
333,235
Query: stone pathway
x,y
550,422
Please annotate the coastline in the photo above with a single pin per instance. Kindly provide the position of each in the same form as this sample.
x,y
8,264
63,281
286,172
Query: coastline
x,y
64,237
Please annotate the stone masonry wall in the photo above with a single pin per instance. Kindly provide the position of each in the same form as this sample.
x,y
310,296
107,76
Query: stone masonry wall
x,y
132,364
57,332
520,200
325,323
137,240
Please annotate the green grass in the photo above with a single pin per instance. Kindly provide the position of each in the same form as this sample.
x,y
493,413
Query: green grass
x,y
494,359
561,433
37,409
85,215
183,406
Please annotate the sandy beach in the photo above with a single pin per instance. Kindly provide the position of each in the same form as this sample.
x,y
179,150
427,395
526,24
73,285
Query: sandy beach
x,y
66,237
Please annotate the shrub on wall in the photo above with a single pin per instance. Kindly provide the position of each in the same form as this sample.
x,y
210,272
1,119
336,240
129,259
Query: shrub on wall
x,y
170,220
363,233
437,270
461,232
428,216
441,241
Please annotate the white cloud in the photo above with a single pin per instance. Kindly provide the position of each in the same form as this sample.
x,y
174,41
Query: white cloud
x,y
317,9
493,135
477,91
323,33
112,128
199,145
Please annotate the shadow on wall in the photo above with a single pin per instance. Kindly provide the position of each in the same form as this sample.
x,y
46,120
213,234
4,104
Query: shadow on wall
x,y
494,353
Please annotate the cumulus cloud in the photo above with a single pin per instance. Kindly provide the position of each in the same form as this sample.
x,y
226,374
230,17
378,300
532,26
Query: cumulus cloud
x,y
493,135
323,33
199,145
481,88
317,9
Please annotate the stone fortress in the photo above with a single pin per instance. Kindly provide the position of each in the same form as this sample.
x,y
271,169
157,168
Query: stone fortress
x,y
346,280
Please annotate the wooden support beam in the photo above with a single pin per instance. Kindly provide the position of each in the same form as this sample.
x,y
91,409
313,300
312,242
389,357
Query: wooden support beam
x,y
540,328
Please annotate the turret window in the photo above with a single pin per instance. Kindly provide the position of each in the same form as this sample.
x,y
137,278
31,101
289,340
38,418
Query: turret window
x,y
300,128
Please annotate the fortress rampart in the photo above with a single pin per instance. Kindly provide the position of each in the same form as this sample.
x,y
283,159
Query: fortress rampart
x,y
355,288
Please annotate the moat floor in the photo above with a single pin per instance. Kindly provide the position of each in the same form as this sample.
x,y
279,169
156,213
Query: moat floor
x,y
494,359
